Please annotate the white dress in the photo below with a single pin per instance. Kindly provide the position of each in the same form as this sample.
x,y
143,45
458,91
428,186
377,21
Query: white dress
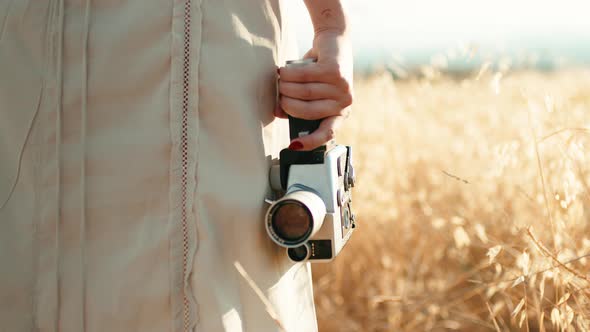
x,y
135,142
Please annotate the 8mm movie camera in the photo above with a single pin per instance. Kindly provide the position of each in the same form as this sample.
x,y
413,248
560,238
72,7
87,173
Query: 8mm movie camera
x,y
312,218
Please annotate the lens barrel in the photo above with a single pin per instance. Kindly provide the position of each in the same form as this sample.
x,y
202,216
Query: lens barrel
x,y
295,218
299,254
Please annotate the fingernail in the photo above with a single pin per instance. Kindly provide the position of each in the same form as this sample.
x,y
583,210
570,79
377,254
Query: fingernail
x,y
295,145
278,70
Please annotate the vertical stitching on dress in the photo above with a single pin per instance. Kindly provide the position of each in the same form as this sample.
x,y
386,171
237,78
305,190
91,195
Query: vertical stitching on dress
x,y
185,159
196,32
189,146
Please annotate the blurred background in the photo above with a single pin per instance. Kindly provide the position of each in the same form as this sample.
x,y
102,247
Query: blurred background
x,y
471,130
539,33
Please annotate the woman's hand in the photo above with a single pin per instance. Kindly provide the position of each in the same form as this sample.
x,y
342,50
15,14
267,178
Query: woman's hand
x,y
321,90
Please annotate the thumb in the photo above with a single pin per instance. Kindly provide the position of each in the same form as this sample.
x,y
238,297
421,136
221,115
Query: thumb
x,y
311,54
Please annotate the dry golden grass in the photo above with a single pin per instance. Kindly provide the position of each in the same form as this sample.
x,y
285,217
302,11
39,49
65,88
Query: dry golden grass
x,y
473,201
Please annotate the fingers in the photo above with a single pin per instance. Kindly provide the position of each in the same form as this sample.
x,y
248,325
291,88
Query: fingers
x,y
324,134
311,91
312,110
314,91
315,73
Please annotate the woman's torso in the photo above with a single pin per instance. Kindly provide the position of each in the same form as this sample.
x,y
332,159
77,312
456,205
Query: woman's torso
x,y
139,151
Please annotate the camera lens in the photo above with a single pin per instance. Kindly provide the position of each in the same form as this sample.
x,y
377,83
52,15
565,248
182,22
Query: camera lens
x,y
298,254
295,218
291,221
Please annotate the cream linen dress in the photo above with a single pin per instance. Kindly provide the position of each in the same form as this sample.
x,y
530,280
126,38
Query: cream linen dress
x,y
135,142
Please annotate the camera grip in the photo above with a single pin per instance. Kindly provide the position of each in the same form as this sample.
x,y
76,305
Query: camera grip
x,y
300,127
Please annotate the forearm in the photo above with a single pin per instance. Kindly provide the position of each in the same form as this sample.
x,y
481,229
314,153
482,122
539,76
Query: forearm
x,y
327,15
321,90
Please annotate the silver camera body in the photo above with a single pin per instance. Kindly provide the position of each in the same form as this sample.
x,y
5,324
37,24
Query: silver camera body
x,y
317,192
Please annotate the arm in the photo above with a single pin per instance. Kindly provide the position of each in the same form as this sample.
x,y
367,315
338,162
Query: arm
x,y
326,15
322,90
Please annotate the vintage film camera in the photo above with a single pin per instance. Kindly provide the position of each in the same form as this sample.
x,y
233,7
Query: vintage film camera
x,y
313,217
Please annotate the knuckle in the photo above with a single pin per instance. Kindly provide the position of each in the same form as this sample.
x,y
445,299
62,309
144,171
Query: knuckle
x,y
335,68
345,85
330,134
304,76
306,92
336,72
347,100
335,109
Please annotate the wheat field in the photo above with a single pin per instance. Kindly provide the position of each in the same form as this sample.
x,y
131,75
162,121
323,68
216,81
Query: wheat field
x,y
473,206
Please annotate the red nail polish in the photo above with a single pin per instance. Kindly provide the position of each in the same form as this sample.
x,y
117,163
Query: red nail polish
x,y
296,145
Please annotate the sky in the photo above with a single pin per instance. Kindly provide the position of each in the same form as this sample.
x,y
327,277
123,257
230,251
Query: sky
x,y
413,26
